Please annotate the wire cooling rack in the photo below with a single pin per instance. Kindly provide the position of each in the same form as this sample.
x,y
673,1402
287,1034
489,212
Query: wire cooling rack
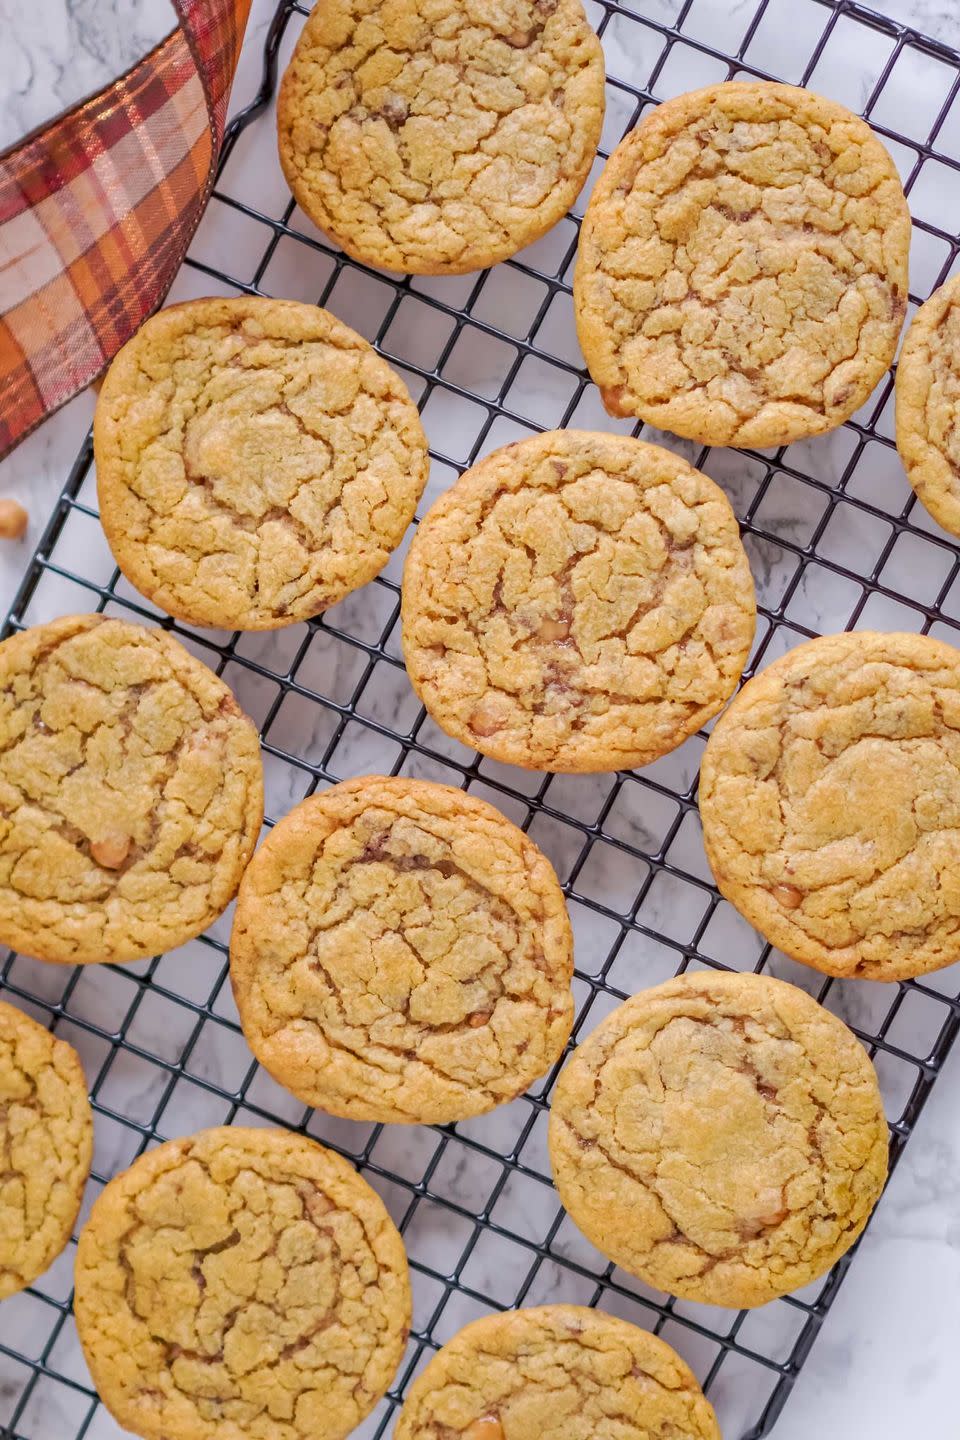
x,y
836,541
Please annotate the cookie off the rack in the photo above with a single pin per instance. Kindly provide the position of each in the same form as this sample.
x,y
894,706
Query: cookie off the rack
x,y
402,952
577,602
256,461
741,277
436,137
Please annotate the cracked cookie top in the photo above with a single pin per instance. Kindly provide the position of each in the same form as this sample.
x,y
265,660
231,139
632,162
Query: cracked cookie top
x,y
928,405
576,602
402,952
742,271
241,1283
440,136
131,792
256,461
46,1140
721,1136
830,800
552,1372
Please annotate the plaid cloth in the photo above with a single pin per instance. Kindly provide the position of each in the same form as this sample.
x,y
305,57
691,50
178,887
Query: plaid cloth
x,y
97,209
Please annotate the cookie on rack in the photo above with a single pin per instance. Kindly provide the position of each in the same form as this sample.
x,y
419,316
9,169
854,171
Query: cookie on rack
x,y
256,461
402,952
928,405
830,800
440,138
720,1136
46,1142
577,602
241,1283
553,1372
131,792
742,270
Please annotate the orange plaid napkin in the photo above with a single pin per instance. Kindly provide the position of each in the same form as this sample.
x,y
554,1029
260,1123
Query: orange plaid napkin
x,y
97,209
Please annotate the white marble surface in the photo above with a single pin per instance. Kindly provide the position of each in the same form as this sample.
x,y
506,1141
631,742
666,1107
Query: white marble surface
x,y
883,1366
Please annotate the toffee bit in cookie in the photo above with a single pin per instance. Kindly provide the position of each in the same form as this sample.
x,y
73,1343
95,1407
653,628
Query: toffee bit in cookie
x,y
13,520
554,630
486,720
788,896
486,1428
111,850
395,111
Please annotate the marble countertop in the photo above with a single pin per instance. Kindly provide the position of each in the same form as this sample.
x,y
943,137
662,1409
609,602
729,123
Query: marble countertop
x,y
884,1364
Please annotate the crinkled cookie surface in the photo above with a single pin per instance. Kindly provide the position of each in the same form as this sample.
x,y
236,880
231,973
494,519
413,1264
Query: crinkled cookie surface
x,y
46,1140
928,405
722,1136
742,271
256,461
556,1372
131,791
402,952
830,800
241,1285
440,136
577,601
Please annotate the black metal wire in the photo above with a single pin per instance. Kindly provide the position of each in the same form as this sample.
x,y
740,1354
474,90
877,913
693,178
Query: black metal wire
x,y
585,813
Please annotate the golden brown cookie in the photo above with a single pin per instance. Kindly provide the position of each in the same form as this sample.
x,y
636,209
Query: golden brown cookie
x,y
554,1373
436,137
241,1283
402,952
46,1140
131,792
830,799
256,461
721,1136
577,601
742,271
928,405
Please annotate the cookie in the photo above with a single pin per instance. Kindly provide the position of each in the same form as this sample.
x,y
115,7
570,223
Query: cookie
x,y
401,952
577,602
46,1141
721,1137
830,799
241,1283
440,138
552,1373
256,461
928,405
131,792
742,270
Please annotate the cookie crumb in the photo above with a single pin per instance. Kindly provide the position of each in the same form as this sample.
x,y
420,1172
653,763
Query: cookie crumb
x,y
13,520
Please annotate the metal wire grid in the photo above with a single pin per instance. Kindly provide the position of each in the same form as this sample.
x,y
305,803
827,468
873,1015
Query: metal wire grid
x,y
830,550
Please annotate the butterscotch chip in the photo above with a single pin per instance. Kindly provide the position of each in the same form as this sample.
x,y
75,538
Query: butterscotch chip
x,y
241,1283
402,952
721,1136
557,1370
742,270
440,138
13,520
928,403
131,792
576,602
46,1140
256,461
830,800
